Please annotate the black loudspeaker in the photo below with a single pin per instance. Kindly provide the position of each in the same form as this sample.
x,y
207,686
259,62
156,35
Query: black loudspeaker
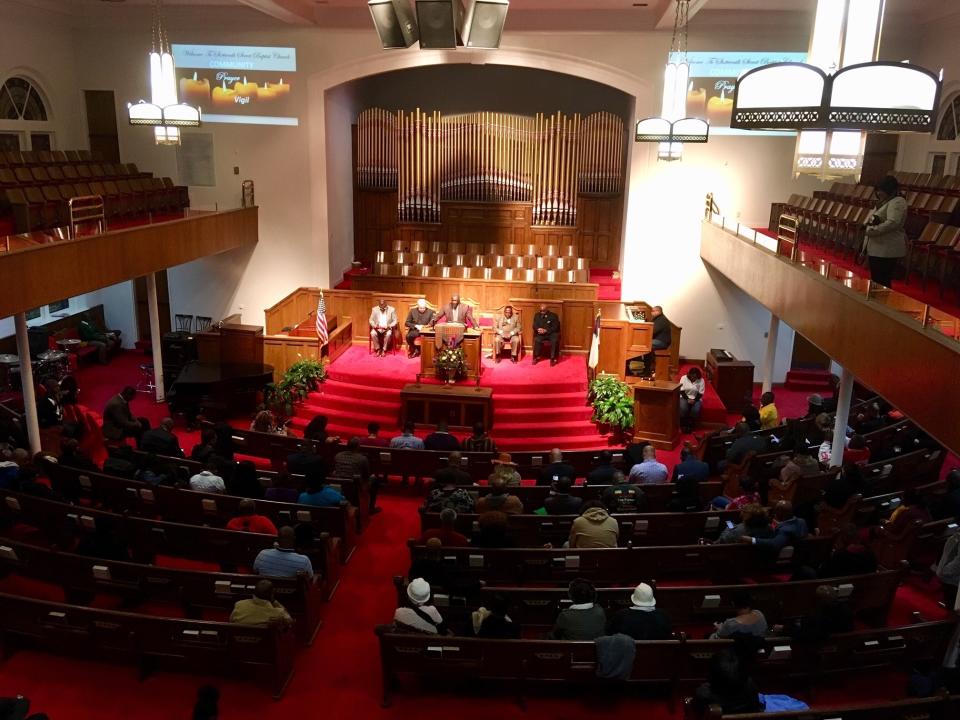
x,y
485,23
441,22
394,22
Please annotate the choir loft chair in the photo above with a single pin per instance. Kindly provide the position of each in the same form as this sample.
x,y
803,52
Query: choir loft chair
x,y
184,323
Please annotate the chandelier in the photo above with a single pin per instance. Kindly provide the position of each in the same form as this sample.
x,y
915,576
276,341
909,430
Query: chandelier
x,y
164,113
673,127
841,93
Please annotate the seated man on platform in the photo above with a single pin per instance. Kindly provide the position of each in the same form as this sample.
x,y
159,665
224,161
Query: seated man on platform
x,y
455,312
506,330
417,319
383,321
546,328
661,339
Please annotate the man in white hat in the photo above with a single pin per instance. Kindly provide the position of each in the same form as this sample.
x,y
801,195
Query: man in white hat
x,y
419,616
642,620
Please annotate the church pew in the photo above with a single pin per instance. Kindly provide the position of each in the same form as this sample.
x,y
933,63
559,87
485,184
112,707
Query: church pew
x,y
535,609
64,523
146,640
198,508
680,663
190,589
355,491
610,566
658,496
635,528
931,708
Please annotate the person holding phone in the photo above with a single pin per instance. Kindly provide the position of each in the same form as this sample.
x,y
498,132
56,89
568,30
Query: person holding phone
x,y
885,241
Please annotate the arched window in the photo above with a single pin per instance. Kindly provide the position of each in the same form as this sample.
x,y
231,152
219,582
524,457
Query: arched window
x,y
950,120
21,100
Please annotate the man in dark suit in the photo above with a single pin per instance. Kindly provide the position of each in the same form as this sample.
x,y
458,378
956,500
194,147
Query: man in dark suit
x,y
557,469
118,420
418,318
455,312
441,439
546,328
560,501
161,440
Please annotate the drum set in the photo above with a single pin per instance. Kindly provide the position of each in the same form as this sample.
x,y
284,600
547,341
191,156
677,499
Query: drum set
x,y
49,365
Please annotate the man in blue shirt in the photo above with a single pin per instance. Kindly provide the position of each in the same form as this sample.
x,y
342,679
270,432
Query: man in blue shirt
x,y
318,493
649,472
690,468
407,441
282,560
789,529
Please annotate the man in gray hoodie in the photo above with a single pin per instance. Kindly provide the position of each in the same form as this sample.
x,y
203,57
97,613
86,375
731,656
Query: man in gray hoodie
x,y
594,528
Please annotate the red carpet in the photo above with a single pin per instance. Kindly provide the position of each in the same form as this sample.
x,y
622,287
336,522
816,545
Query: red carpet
x,y
609,282
361,388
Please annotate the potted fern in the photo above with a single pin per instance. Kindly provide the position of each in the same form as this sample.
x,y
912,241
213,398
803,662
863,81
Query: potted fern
x,y
300,379
612,402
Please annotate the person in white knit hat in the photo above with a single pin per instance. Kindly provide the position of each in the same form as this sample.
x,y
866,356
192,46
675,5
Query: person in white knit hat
x,y
642,620
419,615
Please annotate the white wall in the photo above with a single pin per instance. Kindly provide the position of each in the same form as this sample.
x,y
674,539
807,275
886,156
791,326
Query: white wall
x,y
341,107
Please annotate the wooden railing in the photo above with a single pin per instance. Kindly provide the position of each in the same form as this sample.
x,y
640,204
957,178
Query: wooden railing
x,y
895,345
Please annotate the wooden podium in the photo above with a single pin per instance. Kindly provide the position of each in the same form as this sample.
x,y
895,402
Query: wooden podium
x,y
656,413
472,346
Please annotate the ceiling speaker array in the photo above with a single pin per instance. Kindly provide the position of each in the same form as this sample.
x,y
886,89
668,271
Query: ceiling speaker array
x,y
439,23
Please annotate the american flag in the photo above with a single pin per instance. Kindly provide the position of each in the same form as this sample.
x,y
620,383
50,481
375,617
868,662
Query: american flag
x,y
322,334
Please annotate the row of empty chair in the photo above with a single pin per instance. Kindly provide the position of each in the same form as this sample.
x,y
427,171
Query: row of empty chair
x,y
924,201
564,248
36,188
518,262
945,184
465,272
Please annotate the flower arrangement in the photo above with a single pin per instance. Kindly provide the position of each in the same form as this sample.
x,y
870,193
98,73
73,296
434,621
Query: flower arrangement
x,y
301,378
451,363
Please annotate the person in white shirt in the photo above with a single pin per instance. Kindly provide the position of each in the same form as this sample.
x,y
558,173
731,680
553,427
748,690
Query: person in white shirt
x,y
691,398
383,323
207,481
418,616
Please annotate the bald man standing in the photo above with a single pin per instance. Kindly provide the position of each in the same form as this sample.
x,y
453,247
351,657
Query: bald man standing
x,y
456,312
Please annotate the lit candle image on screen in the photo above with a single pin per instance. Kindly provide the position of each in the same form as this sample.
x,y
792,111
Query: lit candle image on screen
x,y
224,96
194,91
696,102
720,109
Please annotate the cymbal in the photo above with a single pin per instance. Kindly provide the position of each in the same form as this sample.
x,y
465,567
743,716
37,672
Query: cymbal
x,y
8,359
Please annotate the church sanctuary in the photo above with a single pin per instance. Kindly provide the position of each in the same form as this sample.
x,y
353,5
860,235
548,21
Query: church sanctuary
x,y
479,359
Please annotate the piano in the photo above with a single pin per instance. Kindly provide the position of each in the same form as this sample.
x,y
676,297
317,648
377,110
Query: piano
x,y
218,390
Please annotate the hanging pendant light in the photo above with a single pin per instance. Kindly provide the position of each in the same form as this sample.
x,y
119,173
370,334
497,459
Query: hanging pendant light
x,y
164,113
673,128
840,93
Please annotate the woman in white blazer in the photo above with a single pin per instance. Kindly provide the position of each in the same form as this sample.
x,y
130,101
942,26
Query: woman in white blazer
x,y
886,241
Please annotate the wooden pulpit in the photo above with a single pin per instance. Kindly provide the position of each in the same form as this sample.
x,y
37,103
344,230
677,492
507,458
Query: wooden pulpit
x,y
472,347
656,413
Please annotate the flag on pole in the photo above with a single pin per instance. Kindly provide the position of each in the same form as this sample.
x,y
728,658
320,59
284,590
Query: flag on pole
x,y
322,333
595,344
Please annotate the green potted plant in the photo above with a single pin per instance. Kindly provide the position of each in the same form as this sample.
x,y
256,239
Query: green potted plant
x,y
612,402
300,379
451,363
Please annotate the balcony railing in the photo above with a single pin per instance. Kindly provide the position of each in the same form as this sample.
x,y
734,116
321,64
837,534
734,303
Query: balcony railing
x,y
924,314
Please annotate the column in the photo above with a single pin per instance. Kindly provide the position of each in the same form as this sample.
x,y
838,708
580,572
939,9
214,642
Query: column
x,y
770,359
155,339
843,416
26,380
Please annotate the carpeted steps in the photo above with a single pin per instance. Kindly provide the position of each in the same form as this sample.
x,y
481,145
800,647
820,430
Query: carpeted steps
x,y
812,381
608,282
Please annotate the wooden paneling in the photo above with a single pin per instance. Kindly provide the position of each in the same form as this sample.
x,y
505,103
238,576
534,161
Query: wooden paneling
x,y
493,222
656,413
576,313
489,294
44,274
409,232
886,350
600,222
282,351
374,221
